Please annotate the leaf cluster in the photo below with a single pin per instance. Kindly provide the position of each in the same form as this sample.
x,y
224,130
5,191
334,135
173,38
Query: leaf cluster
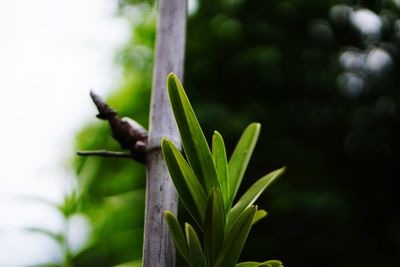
x,y
207,184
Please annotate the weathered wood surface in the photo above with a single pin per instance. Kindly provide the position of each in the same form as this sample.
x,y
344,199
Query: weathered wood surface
x,y
158,250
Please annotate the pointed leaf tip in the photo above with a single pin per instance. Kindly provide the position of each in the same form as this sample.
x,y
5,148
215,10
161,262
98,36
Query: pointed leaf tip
x,y
252,194
193,140
221,166
177,234
241,156
196,253
171,75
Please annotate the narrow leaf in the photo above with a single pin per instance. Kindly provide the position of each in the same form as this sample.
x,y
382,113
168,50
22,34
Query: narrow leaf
x,y
214,230
186,183
240,158
196,255
235,239
221,165
252,194
194,143
177,234
260,214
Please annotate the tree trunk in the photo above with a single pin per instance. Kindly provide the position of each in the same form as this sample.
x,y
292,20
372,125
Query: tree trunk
x,y
158,250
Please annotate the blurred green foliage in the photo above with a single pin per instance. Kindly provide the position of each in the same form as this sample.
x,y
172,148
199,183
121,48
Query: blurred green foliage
x,y
113,190
327,94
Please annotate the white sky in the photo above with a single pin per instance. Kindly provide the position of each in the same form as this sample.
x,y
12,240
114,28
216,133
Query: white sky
x,y
52,52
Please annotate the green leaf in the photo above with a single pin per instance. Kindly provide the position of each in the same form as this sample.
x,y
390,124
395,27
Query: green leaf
x,y
221,165
235,239
240,158
134,263
214,230
59,238
177,234
194,143
252,194
260,214
270,263
186,183
196,255
274,263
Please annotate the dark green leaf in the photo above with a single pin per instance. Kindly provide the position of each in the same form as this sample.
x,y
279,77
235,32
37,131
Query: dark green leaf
x,y
214,230
235,239
196,255
177,234
186,183
194,143
240,158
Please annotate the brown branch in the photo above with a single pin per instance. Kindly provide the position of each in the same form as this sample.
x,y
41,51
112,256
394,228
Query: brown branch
x,y
104,154
105,111
127,132
111,154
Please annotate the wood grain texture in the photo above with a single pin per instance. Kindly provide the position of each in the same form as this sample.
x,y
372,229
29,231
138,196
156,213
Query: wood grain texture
x,y
158,249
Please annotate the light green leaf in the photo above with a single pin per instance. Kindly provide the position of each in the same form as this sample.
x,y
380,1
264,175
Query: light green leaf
x,y
214,230
186,183
196,255
135,263
194,143
274,263
240,158
259,215
177,234
221,165
235,239
252,194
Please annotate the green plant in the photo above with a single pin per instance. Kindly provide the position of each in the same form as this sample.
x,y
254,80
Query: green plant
x,y
207,184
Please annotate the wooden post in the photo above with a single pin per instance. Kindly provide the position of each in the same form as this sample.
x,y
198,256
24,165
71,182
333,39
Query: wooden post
x,y
158,249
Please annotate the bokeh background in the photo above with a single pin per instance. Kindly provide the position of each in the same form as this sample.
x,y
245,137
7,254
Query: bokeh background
x,y
322,77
